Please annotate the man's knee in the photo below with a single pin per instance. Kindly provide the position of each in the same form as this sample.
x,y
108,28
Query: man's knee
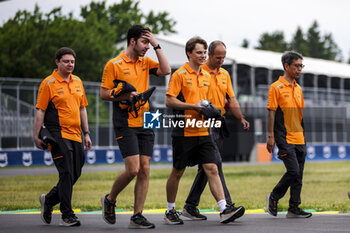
x,y
177,173
144,170
132,165
293,173
211,169
66,177
133,170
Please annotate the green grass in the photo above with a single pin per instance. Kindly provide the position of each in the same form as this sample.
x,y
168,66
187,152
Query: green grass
x,y
325,188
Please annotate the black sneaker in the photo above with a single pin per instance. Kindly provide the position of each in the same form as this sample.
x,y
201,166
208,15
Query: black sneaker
x,y
171,217
108,210
298,213
271,205
71,221
139,221
192,212
46,210
231,213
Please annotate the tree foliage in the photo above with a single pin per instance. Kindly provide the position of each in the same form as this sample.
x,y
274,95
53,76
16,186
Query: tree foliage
x,y
310,44
28,41
245,43
299,42
121,16
273,42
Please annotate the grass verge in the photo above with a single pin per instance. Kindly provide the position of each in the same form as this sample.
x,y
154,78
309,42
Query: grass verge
x,y
325,187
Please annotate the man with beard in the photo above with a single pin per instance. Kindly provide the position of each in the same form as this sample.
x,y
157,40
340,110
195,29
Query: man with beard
x,y
123,78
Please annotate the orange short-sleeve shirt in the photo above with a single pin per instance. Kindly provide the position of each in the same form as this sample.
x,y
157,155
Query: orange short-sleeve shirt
x,y
188,86
287,101
61,102
220,87
135,73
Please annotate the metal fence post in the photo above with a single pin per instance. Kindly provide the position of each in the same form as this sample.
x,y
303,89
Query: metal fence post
x,y
97,118
18,115
110,128
1,116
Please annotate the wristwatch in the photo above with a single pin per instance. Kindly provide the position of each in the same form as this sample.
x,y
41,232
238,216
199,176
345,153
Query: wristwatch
x,y
157,47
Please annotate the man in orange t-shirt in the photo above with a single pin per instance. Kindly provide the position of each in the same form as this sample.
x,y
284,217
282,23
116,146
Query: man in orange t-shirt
x,y
286,130
192,144
61,106
132,69
220,90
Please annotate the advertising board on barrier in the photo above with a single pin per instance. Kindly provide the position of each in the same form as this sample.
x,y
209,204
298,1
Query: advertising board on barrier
x,y
93,156
161,154
323,152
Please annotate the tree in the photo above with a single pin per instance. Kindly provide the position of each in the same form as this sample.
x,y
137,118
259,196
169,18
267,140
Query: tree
x,y
29,40
245,43
273,42
314,41
331,49
121,16
311,44
299,43
320,46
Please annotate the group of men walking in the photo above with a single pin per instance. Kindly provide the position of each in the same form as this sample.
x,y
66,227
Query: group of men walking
x,y
61,109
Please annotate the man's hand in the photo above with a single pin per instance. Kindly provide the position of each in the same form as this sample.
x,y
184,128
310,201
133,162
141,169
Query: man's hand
x,y
270,145
39,143
210,112
87,141
245,124
149,36
197,107
130,96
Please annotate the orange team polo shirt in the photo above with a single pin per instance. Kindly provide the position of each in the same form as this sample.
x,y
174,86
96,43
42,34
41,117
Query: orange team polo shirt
x,y
61,102
220,87
135,73
288,102
188,86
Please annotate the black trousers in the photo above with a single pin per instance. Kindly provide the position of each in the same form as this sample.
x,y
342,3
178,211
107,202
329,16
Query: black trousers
x,y
69,159
293,157
201,179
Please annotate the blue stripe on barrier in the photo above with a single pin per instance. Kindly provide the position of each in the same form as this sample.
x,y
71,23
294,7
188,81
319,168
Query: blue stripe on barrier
x,y
160,154
316,151
93,156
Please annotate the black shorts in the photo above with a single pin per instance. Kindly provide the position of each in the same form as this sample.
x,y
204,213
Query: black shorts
x,y
135,141
189,151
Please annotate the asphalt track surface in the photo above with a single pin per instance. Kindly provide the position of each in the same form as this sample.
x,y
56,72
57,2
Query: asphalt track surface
x,y
261,223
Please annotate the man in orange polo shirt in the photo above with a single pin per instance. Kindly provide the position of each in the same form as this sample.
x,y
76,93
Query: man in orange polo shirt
x,y
192,143
286,130
132,69
61,106
220,89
